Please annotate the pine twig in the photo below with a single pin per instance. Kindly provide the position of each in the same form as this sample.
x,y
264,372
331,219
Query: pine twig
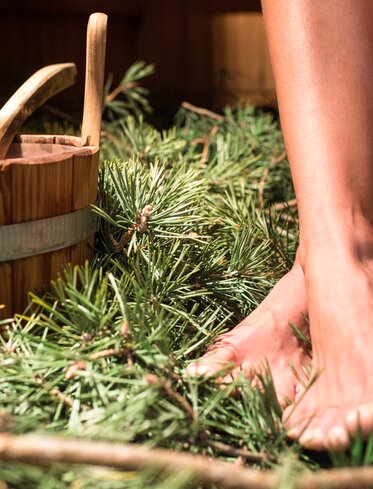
x,y
52,449
262,185
119,89
62,397
56,393
274,160
80,364
202,111
279,158
206,144
204,435
109,352
141,225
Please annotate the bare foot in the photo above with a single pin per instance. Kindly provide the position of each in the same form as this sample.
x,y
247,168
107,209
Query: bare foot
x,y
340,301
265,336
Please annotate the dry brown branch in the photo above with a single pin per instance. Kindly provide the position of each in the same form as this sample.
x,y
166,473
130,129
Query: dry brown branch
x,y
240,453
202,111
41,449
283,205
141,225
279,158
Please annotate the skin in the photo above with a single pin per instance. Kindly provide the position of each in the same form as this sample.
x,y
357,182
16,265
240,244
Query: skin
x,y
324,52
265,336
322,57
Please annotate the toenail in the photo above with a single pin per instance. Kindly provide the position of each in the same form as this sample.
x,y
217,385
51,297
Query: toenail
x,y
338,437
360,419
198,369
293,433
306,436
312,438
353,420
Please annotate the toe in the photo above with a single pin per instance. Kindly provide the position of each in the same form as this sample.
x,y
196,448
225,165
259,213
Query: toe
x,y
337,438
231,377
213,361
296,422
313,439
360,418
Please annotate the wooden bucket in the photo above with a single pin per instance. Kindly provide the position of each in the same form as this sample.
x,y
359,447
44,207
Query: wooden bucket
x,y
48,183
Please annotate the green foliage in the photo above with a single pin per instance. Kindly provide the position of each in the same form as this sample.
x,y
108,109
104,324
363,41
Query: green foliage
x,y
189,244
129,97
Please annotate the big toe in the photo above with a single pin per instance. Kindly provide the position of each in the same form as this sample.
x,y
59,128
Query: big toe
x,y
212,362
296,422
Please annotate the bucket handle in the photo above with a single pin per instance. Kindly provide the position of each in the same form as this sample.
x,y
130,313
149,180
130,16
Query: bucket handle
x,y
94,81
41,86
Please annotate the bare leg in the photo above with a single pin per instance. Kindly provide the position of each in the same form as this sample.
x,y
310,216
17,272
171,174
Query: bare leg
x,y
322,55
266,336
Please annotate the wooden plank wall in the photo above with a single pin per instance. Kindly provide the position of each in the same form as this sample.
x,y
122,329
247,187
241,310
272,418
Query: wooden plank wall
x,y
209,52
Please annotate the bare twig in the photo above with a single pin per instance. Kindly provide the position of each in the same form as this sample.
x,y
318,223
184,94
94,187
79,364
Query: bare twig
x,y
119,89
202,111
283,205
262,185
279,158
73,369
109,352
206,143
62,397
41,449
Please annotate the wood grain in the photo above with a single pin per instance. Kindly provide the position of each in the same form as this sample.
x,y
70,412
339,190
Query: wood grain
x,y
6,272
47,176
94,82
41,86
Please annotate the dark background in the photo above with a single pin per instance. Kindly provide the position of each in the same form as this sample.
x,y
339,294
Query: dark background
x,y
174,34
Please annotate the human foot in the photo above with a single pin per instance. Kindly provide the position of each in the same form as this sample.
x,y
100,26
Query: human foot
x,y
265,337
340,401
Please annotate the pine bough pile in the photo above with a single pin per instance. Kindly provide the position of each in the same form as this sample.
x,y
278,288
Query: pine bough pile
x,y
197,223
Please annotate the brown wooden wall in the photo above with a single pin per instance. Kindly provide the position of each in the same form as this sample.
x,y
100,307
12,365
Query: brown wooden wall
x,y
209,52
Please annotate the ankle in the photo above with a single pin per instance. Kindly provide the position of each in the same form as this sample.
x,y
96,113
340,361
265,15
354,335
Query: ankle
x,y
347,238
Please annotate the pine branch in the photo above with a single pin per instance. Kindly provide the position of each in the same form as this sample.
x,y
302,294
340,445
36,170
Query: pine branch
x,y
202,432
141,226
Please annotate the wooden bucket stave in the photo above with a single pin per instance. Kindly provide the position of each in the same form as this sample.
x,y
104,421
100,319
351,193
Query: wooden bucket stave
x,y
44,177
48,183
